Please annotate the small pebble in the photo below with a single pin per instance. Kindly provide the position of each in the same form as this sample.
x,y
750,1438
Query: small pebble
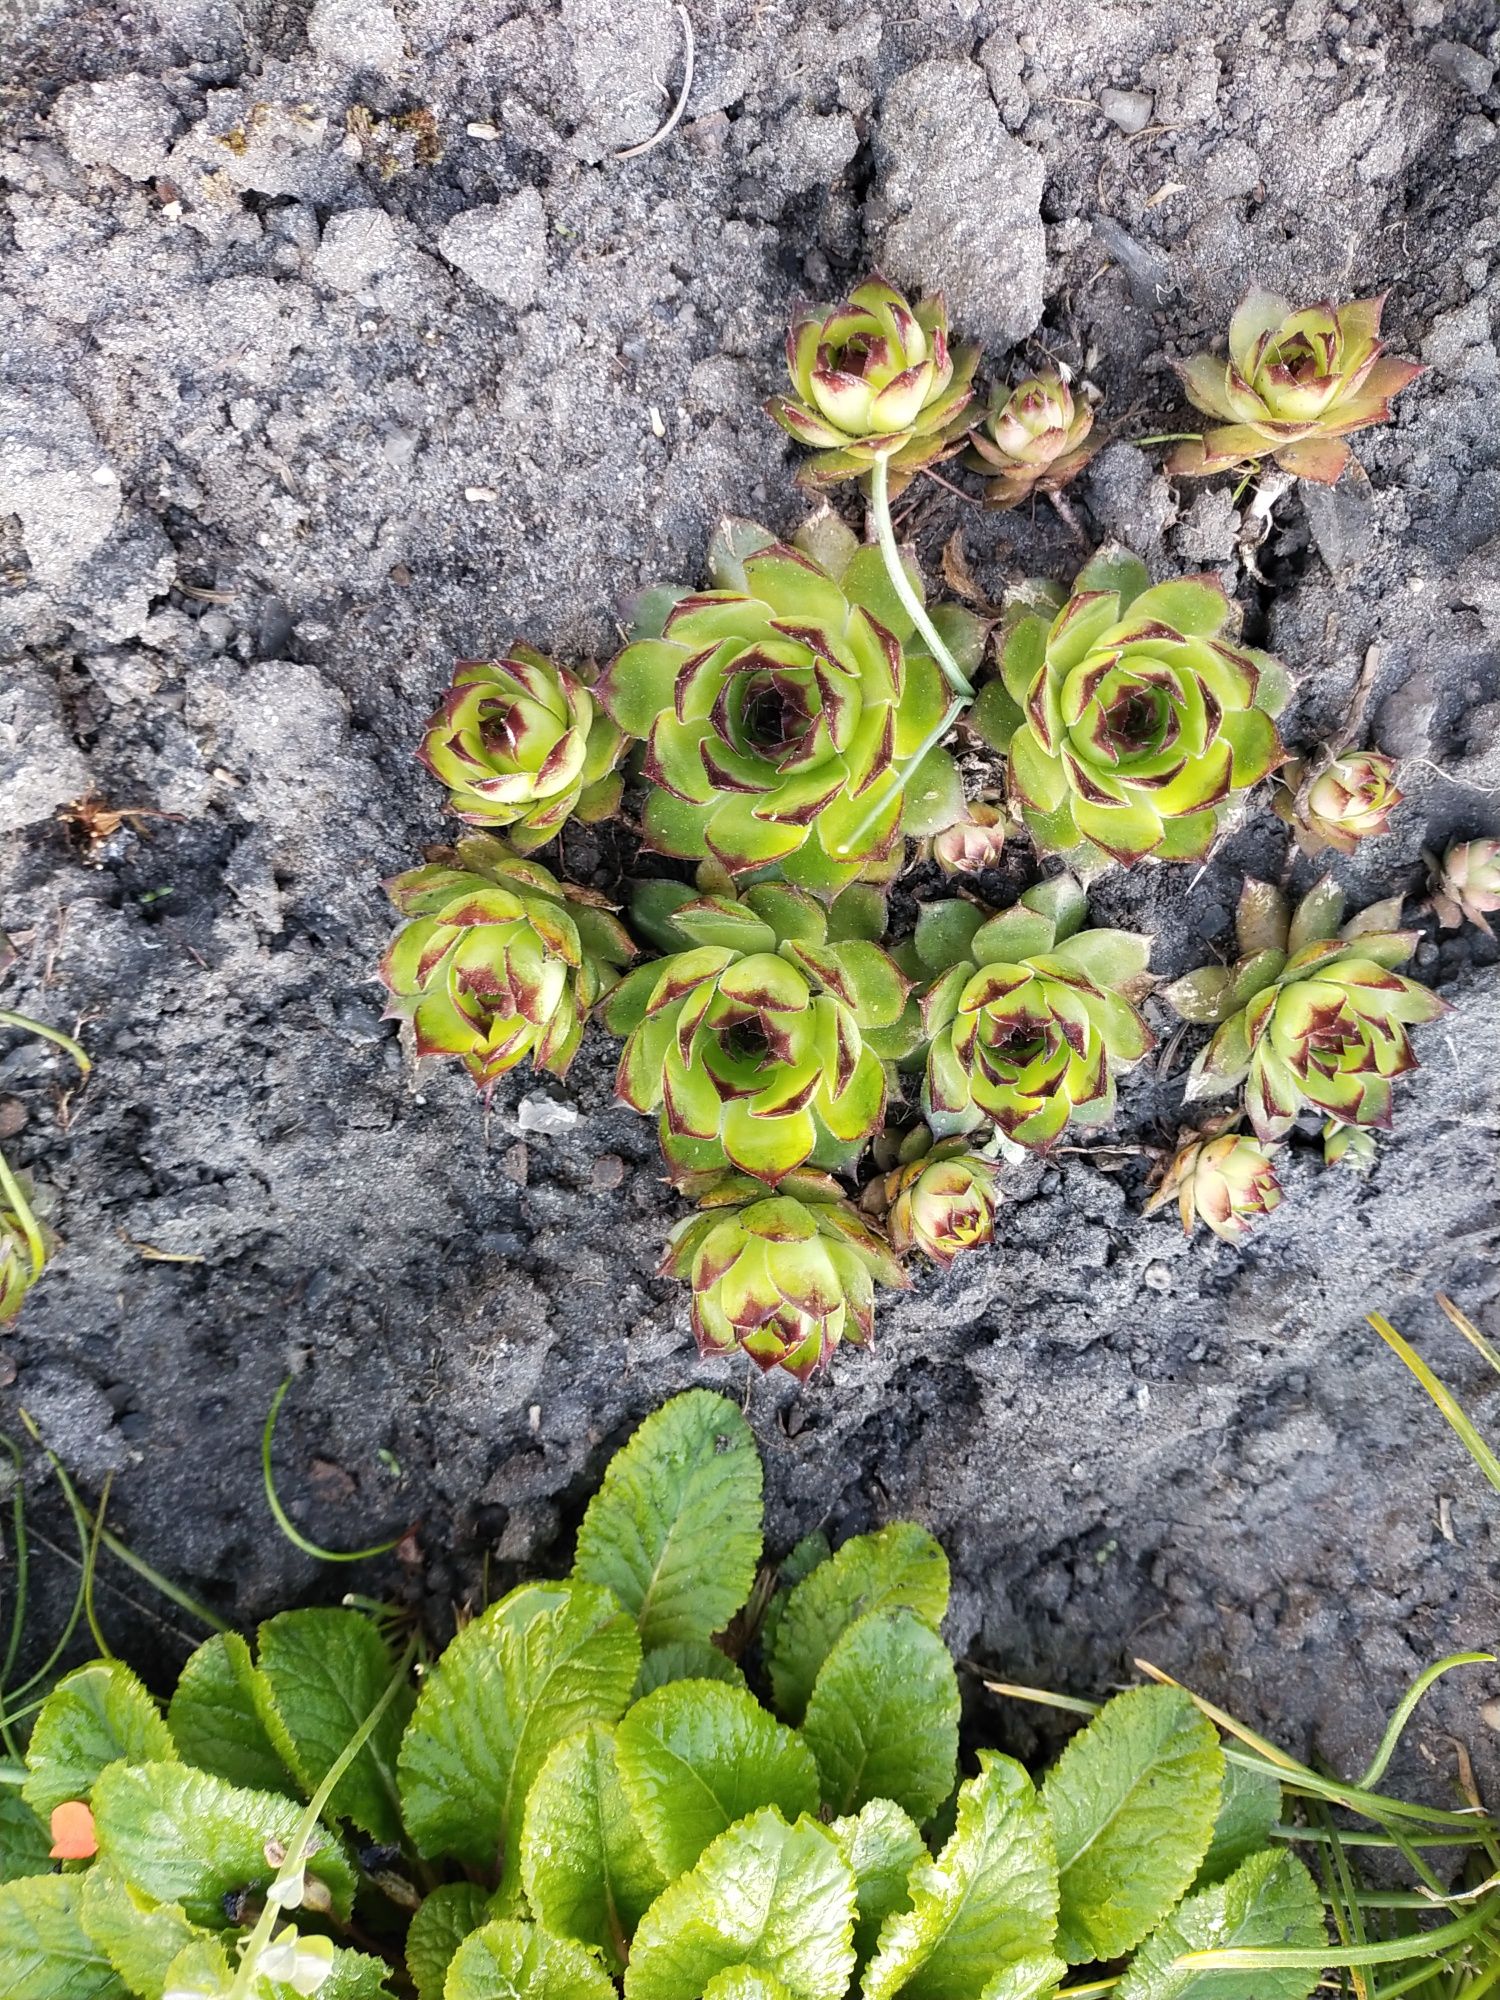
x,y
1129,109
607,1172
12,1117
546,1114
1157,1277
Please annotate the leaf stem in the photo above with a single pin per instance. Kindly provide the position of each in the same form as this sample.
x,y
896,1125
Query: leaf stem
x,y
10,1019
296,1857
11,1188
284,1520
885,534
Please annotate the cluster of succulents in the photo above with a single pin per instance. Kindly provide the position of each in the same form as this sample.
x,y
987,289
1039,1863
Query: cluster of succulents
x,y
788,736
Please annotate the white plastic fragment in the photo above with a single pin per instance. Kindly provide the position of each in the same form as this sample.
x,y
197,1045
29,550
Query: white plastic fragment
x,y
546,1114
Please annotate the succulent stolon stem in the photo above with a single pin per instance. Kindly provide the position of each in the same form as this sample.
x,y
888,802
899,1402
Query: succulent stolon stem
x,y
10,1187
880,507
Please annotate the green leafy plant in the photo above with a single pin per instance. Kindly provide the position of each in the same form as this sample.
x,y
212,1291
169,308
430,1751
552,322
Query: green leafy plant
x,y
1034,439
1219,1175
676,1775
1312,1013
1129,715
1294,385
521,743
782,745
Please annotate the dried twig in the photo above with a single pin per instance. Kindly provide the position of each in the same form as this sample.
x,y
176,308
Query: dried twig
x,y
665,130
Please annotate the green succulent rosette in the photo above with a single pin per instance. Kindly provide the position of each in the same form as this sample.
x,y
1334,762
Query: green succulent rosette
x,y
520,743
1224,1178
940,1203
1034,439
787,1276
1130,714
1294,385
875,377
763,1041
1029,1016
778,712
499,960
1313,1014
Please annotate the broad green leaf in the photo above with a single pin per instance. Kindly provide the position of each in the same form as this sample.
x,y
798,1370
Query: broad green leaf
x,y
1133,1799
184,1836
697,1756
25,1843
515,1961
934,796
533,1668
1187,604
995,716
775,1898
93,1717
945,931
1034,1978
686,1660
203,1967
324,1671
882,1720
587,1871
1269,1900
1114,568
803,1560
743,1982
139,1936
45,1953
898,1565
866,581
880,1844
439,1927
1016,934
356,1975
859,911
988,1902
1249,1808
674,1530
215,1717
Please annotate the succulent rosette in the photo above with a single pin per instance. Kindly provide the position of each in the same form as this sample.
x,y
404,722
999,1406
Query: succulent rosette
x,y
1314,1012
940,1203
787,1276
1225,1178
1347,800
973,843
1467,884
1130,714
520,743
777,711
1293,385
1030,1016
1034,439
1351,1146
874,378
499,960
763,1041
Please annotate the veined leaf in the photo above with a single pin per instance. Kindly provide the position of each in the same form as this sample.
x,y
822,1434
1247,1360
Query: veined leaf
x,y
812,1550
988,1902
674,1530
183,1836
774,1898
686,1660
698,1755
1268,1900
45,1953
25,1843
204,1967
1249,1808
139,1936
743,1982
215,1717
1133,1800
899,1565
93,1717
323,1672
587,1871
439,1927
882,1720
1034,1978
516,1961
536,1666
880,1844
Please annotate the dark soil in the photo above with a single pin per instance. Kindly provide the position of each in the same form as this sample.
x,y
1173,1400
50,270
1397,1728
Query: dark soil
x,y
288,426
